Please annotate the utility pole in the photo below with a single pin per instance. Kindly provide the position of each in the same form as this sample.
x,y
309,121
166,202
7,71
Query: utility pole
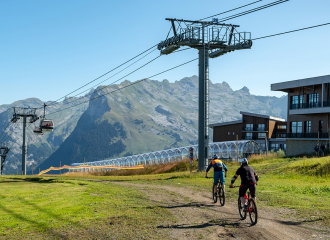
x,y
24,113
211,39
4,149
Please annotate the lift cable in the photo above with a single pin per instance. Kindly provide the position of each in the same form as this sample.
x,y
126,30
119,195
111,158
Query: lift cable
x,y
111,83
105,73
113,76
127,85
252,39
291,31
118,73
108,78
17,124
232,10
5,129
253,10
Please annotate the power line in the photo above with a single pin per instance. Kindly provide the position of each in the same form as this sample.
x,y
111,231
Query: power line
x,y
292,31
253,10
127,85
232,9
106,73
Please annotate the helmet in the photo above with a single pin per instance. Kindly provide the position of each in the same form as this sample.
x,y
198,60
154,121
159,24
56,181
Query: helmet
x,y
215,156
243,161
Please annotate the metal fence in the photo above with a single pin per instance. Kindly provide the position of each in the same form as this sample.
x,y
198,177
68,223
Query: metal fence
x,y
224,150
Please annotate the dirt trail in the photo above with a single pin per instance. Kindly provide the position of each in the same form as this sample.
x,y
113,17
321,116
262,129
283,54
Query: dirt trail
x,y
198,217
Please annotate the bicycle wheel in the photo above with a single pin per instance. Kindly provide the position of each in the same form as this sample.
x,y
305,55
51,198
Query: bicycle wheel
x,y
240,209
253,212
222,196
214,195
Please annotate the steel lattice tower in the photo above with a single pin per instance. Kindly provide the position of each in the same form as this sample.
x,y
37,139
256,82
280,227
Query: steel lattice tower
x,y
212,39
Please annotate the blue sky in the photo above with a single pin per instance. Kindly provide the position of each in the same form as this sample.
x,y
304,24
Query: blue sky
x,y
50,48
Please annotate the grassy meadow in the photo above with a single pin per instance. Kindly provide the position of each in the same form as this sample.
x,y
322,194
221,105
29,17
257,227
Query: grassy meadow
x,y
89,206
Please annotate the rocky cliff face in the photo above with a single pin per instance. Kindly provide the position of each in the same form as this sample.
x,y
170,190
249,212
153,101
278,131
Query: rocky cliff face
x,y
147,116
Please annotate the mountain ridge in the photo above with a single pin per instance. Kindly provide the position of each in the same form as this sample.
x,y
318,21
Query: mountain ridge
x,y
148,116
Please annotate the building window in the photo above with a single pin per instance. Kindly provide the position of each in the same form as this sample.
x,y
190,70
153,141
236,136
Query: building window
x,y
296,127
233,133
308,126
313,98
281,126
275,146
261,135
249,127
261,127
284,146
262,146
248,136
228,133
320,126
296,101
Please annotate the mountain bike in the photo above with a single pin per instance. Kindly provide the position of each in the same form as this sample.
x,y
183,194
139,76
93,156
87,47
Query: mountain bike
x,y
252,208
221,193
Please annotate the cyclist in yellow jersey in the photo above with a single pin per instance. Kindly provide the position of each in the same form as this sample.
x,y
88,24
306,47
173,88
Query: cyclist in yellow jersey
x,y
220,171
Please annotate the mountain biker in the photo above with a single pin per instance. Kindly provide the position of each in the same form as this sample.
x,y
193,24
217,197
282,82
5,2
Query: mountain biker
x,y
220,171
249,180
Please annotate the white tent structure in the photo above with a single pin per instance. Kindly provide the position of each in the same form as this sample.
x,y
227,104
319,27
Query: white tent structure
x,y
224,150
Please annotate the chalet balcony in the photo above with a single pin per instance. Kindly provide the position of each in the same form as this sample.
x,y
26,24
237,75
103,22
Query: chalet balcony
x,y
307,105
303,135
254,129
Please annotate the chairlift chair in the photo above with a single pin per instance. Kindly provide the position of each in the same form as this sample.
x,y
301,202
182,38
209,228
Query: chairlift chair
x,y
46,125
38,130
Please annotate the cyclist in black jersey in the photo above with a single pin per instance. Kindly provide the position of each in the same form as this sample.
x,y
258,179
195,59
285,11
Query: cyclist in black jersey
x,y
249,180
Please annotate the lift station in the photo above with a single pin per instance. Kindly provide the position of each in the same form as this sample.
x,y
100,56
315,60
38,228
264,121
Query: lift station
x,y
212,39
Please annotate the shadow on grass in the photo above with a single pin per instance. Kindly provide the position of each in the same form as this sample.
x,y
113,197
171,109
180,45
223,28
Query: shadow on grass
x,y
231,222
37,180
44,226
37,224
295,223
42,180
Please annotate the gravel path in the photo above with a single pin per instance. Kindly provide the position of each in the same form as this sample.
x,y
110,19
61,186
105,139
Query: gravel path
x,y
199,218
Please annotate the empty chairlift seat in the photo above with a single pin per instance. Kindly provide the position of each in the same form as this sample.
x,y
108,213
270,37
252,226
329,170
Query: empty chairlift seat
x,y
47,125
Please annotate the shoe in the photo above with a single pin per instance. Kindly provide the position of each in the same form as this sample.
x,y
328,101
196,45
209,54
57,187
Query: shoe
x,y
245,208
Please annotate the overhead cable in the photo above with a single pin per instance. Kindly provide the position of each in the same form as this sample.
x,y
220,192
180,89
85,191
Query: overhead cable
x,y
127,85
17,124
253,10
232,9
4,129
113,82
110,77
292,31
104,74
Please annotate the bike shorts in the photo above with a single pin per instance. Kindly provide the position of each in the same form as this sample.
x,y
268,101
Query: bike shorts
x,y
245,187
218,175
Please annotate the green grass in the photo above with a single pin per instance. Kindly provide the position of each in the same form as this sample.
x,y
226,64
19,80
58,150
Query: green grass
x,y
90,206
56,208
302,184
